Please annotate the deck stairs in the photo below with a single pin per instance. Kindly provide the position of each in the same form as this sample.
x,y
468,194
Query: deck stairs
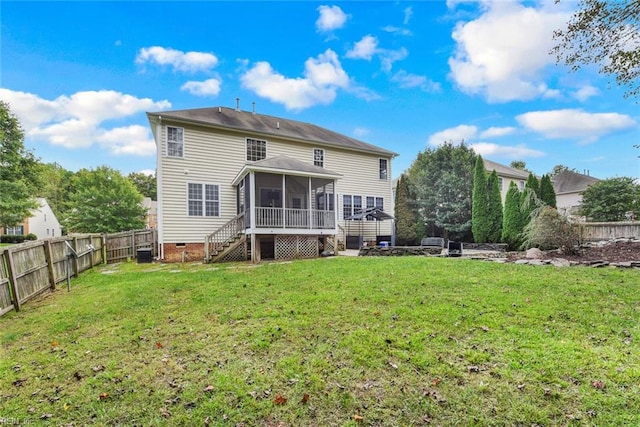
x,y
225,240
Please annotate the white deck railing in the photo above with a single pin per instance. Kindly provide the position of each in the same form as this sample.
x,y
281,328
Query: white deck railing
x,y
294,218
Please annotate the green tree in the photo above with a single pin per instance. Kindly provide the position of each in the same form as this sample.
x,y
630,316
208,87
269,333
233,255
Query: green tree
x,y
533,183
558,169
547,193
104,202
146,184
408,222
512,221
480,222
604,33
19,177
518,164
58,185
443,182
551,230
611,199
494,208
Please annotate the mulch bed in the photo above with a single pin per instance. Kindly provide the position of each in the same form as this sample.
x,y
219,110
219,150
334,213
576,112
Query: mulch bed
x,y
613,252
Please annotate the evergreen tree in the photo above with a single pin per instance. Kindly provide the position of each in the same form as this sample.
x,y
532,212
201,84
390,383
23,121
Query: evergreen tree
x,y
547,193
494,208
534,184
512,223
442,179
407,218
480,222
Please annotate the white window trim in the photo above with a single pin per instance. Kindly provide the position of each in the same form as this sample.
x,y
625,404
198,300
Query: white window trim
x,y
166,137
204,210
387,170
313,155
266,148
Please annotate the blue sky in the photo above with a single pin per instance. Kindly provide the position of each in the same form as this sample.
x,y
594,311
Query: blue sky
x,y
402,75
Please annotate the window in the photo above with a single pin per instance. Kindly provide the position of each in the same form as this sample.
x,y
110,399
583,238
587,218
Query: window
x,y
175,142
347,207
357,204
256,150
521,185
371,202
203,200
14,231
380,203
321,201
318,157
383,169
500,183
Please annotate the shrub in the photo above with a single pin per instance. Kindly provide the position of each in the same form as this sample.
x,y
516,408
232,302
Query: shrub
x,y
7,238
31,236
549,229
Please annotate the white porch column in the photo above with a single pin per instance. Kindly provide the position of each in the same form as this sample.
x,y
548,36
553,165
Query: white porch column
x,y
252,214
284,201
311,224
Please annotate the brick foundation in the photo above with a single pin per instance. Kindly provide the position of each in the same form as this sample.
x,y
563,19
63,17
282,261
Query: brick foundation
x,y
192,252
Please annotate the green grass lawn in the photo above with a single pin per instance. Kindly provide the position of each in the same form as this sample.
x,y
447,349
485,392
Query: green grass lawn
x,y
328,342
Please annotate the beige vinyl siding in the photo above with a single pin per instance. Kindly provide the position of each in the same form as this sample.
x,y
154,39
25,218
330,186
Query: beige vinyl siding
x,y
215,157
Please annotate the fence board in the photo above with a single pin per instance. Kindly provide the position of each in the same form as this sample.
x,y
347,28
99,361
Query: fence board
x,y
125,245
590,231
6,302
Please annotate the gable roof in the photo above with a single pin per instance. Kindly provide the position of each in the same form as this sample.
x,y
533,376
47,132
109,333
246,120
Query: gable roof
x,y
507,171
229,118
285,164
572,182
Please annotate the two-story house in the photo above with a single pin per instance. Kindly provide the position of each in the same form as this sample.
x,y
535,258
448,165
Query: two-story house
x,y
506,175
236,185
42,222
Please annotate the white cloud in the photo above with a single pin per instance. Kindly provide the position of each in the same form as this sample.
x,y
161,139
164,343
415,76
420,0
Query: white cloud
x,y
75,121
150,172
502,54
496,132
455,134
130,140
575,123
361,132
331,18
408,13
323,76
367,47
179,60
364,49
210,87
486,149
407,81
397,30
585,93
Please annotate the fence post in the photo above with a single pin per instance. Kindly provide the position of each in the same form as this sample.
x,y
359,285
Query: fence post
x,y
48,255
75,258
12,278
92,250
133,244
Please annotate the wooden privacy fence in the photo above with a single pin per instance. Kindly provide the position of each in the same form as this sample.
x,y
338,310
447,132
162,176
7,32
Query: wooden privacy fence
x,y
29,269
591,231
125,245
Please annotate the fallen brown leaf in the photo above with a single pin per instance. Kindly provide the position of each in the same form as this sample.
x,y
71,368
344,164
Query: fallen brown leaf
x,y
305,399
103,396
280,400
159,344
358,418
600,385
208,388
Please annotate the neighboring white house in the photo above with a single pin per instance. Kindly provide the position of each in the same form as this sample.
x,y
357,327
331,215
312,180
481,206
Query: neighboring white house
x,y
506,175
569,187
43,223
261,187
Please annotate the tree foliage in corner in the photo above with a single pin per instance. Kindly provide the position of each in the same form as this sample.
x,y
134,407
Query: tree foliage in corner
x,y
19,177
408,224
104,201
604,33
443,182
480,224
494,208
611,199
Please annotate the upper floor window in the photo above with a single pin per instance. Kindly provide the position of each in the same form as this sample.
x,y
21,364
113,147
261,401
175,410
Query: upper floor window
x,y
500,184
256,150
203,199
384,169
318,157
175,142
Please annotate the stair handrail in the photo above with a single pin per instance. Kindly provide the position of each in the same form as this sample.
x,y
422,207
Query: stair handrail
x,y
217,240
